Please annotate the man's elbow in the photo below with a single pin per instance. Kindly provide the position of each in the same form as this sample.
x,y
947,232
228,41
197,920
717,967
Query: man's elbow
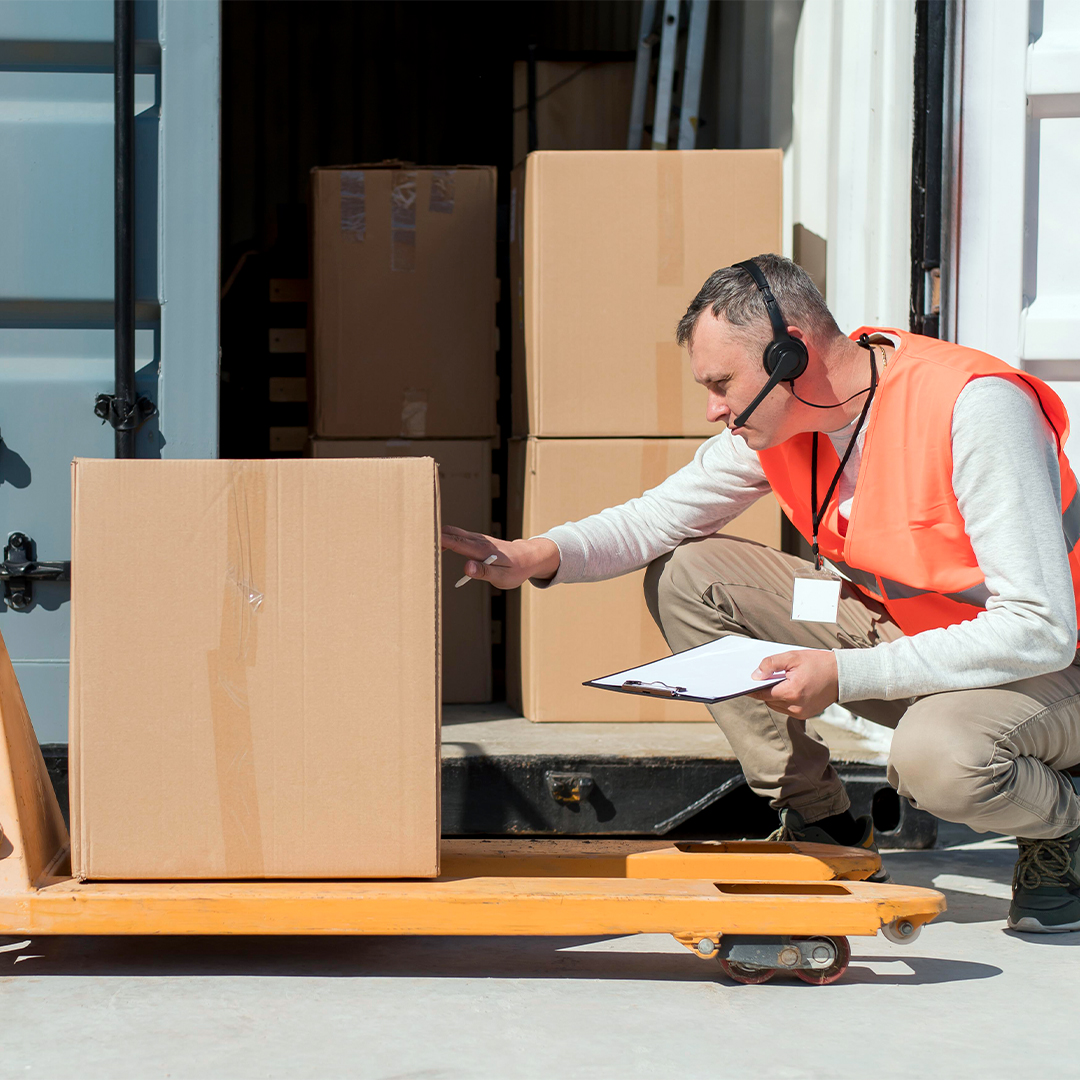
x,y
1062,645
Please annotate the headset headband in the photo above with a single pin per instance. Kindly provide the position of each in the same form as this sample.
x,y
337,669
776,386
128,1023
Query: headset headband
x,y
771,306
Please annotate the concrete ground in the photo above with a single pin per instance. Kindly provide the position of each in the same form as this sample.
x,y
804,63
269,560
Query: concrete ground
x,y
968,999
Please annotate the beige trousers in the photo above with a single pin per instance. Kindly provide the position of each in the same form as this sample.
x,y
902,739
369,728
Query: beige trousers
x,y
988,758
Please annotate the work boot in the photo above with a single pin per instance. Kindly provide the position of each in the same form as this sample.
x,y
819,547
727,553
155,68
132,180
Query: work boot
x,y
795,830
1046,885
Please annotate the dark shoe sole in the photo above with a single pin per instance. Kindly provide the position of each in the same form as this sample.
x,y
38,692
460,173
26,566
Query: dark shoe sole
x,y
1030,925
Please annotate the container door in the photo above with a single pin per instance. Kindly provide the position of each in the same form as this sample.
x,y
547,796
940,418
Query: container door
x,y
56,278
1018,278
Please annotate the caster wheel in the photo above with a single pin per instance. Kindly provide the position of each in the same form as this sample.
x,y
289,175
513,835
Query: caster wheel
x,y
900,932
746,975
824,976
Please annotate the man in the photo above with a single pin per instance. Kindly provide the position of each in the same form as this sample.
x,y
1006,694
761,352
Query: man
x,y
931,477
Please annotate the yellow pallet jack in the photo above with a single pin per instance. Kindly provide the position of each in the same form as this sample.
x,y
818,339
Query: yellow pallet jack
x,y
756,907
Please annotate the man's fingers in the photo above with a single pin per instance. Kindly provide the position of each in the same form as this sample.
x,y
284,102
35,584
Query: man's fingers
x,y
469,544
480,569
477,570
772,666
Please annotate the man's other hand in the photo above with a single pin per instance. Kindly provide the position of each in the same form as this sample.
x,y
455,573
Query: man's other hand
x,y
515,560
810,682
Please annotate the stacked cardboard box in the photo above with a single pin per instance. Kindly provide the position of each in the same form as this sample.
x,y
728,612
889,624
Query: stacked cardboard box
x,y
263,699
403,302
402,356
608,248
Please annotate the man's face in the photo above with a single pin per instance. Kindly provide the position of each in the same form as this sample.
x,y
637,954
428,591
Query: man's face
x,y
728,364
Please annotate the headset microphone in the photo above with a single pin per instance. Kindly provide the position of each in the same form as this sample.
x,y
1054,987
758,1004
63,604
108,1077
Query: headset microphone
x,y
785,358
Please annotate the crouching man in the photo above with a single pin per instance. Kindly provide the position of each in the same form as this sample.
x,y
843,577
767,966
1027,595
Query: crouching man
x,y
931,478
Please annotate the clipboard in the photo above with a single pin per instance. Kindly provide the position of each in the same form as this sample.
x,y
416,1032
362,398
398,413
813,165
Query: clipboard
x,y
716,671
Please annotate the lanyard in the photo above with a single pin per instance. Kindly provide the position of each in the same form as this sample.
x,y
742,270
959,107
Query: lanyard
x,y
816,512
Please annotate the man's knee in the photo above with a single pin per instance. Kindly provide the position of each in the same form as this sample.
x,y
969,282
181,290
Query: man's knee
x,y
939,762
656,584
688,572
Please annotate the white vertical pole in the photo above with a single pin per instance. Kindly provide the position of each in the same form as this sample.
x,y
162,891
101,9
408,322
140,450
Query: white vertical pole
x,y
695,61
665,76
989,290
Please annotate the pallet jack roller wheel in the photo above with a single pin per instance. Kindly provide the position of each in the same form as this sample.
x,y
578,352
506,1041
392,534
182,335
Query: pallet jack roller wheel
x,y
748,976
826,975
900,932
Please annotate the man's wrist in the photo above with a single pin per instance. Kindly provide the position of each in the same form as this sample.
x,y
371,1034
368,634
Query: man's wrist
x,y
541,557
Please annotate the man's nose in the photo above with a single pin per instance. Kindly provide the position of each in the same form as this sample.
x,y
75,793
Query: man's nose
x,y
716,409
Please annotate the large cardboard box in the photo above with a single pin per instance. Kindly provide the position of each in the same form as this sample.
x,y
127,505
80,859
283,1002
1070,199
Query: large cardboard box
x,y
403,302
465,487
569,633
608,248
255,669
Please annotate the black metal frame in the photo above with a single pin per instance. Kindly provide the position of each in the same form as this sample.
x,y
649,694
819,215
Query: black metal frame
x,y
541,795
124,209
124,409
927,158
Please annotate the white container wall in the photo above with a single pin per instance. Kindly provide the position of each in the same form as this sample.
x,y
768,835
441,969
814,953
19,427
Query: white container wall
x,y
848,168
1018,281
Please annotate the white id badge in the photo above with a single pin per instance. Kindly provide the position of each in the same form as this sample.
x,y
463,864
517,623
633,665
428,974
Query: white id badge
x,y
816,597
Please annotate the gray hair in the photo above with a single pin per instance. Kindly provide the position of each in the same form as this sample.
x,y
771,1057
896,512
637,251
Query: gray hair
x,y
731,294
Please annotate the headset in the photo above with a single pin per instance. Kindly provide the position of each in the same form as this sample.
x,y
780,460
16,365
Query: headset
x,y
785,357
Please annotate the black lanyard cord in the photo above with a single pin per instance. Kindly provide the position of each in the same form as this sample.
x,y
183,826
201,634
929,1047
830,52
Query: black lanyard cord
x,y
816,512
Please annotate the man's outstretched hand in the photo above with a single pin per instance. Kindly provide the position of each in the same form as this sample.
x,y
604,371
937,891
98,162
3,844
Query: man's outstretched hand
x,y
810,682
515,560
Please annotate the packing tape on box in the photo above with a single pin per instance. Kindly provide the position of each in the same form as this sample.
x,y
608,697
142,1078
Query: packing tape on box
x,y
353,204
414,406
236,652
443,183
669,377
669,217
403,220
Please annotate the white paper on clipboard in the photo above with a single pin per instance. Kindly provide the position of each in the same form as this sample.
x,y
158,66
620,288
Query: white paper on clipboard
x,y
712,672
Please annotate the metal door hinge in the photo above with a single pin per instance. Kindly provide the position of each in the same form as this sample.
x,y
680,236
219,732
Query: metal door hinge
x,y
130,418
20,570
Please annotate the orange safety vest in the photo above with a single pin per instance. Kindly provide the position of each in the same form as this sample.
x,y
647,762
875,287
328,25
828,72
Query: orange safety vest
x,y
905,543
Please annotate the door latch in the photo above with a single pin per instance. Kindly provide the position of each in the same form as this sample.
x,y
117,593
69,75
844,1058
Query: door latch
x,y
20,570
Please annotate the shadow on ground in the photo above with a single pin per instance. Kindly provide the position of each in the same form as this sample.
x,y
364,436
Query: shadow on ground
x,y
417,957
985,861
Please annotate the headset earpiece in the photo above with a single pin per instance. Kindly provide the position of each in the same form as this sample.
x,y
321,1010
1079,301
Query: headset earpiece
x,y
783,352
785,358
789,355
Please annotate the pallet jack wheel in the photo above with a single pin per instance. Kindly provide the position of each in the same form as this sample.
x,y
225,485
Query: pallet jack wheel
x,y
824,976
748,976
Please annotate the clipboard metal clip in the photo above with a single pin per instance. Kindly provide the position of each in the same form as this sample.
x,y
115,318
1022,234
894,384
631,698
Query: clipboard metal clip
x,y
654,688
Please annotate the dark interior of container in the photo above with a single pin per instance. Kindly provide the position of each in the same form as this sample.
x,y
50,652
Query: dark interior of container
x,y
329,82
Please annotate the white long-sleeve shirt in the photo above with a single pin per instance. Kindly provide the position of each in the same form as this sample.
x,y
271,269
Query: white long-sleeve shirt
x,y
1008,488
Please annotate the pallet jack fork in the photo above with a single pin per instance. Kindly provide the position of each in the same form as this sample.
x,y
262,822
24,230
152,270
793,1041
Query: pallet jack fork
x,y
756,907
